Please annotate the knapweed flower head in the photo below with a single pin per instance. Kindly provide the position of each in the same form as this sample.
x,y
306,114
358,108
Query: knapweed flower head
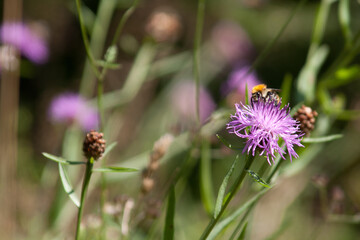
x,y
263,124
238,79
30,44
72,108
231,42
184,104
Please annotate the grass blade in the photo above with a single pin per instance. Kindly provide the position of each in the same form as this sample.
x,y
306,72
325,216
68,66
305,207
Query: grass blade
x,y
222,189
322,139
344,18
243,232
170,215
246,94
67,185
224,223
114,169
206,185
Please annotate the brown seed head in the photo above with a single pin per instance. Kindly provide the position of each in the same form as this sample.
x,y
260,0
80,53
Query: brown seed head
x,y
307,118
147,184
164,25
94,145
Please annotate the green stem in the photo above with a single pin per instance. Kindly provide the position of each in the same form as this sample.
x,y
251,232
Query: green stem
x,y
123,20
119,29
100,91
86,40
88,171
233,191
196,68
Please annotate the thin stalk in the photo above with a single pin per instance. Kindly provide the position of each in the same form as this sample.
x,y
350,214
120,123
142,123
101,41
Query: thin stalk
x,y
123,20
119,29
233,191
196,67
238,227
100,92
88,171
264,53
86,40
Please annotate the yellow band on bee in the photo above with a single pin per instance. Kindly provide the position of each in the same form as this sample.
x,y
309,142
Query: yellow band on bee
x,y
258,88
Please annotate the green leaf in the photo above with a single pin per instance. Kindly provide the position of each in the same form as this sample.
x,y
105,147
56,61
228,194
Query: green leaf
x,y
67,186
206,185
243,232
222,189
257,178
170,215
307,77
344,18
61,160
322,139
226,143
109,148
224,223
343,76
115,169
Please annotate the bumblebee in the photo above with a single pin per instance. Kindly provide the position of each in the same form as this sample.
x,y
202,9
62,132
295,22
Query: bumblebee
x,y
261,92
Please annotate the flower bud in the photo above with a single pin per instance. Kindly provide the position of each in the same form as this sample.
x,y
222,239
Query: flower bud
x,y
94,145
306,116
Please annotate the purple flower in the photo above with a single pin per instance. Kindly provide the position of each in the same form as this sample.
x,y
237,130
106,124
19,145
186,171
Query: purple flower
x,y
231,42
263,124
183,101
30,44
72,108
238,80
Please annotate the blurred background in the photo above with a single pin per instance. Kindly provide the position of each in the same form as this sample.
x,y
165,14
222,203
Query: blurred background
x,y
149,91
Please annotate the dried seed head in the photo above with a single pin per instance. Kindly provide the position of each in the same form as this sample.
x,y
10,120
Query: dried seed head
x,y
161,146
94,145
164,25
147,185
306,116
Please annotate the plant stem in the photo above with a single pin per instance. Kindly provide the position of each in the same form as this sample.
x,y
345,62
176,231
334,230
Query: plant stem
x,y
233,191
196,68
86,40
88,171
100,91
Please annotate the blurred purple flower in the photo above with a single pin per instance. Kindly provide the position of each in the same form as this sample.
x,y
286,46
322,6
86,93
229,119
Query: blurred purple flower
x,y
183,100
30,44
72,108
238,80
267,123
232,42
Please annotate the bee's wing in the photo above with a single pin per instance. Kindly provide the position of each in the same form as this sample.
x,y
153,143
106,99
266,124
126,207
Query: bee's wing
x,y
274,89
